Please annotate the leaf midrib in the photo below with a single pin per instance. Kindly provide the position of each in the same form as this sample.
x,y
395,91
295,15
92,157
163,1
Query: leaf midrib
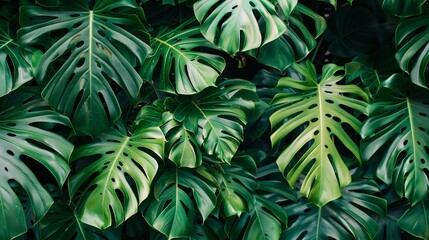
x,y
207,118
6,43
413,137
172,47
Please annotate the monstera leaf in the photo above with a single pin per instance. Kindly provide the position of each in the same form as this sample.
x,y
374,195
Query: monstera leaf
x,y
295,43
237,184
319,113
396,137
120,175
182,146
233,24
412,45
403,8
98,44
348,217
62,222
23,140
191,69
172,212
15,61
415,221
217,115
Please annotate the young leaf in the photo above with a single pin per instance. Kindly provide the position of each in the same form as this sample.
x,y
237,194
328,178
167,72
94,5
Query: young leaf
x,y
403,8
217,115
396,137
233,24
319,112
120,176
100,45
345,218
176,51
172,212
23,140
412,44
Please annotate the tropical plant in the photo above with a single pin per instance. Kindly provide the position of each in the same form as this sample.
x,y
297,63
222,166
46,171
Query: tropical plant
x,y
214,119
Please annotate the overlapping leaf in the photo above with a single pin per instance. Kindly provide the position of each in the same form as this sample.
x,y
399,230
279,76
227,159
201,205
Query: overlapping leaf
x,y
415,220
348,217
15,61
217,115
173,212
233,24
120,175
23,140
318,112
295,43
412,43
183,68
396,137
98,45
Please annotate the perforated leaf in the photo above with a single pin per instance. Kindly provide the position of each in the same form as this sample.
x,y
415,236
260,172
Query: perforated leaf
x,y
184,68
233,24
173,210
24,140
412,44
349,217
318,111
119,176
95,46
217,115
396,137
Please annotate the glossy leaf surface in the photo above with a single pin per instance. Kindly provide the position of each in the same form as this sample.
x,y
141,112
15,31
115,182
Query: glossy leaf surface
x,y
317,112
233,24
99,45
119,176
24,140
396,137
403,8
416,220
184,69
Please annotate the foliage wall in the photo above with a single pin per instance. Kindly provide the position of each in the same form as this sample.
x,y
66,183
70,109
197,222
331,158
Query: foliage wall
x,y
214,119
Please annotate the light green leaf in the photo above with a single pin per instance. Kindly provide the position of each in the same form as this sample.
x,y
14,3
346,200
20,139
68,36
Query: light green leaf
x,y
172,212
295,43
217,115
412,44
15,60
396,137
415,221
23,140
100,45
183,68
403,8
233,24
120,175
348,217
318,111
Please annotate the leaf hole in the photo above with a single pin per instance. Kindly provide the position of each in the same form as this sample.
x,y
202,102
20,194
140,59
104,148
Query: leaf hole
x,y
410,161
121,164
329,92
106,109
336,119
79,44
252,4
125,154
316,132
421,129
329,101
312,106
113,140
6,169
10,152
110,152
326,146
313,120
329,130
11,124
113,180
403,129
422,114
101,33
328,115
405,142
74,15
77,25
307,210
234,7
80,63
11,134
422,160
119,168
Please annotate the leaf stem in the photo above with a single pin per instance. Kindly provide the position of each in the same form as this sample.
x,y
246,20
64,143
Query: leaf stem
x,y
313,57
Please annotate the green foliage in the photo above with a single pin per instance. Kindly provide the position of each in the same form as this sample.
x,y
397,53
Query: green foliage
x,y
196,119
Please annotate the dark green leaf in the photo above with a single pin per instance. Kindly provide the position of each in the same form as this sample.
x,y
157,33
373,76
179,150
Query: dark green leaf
x,y
416,220
396,137
344,218
403,8
412,44
22,141
100,45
